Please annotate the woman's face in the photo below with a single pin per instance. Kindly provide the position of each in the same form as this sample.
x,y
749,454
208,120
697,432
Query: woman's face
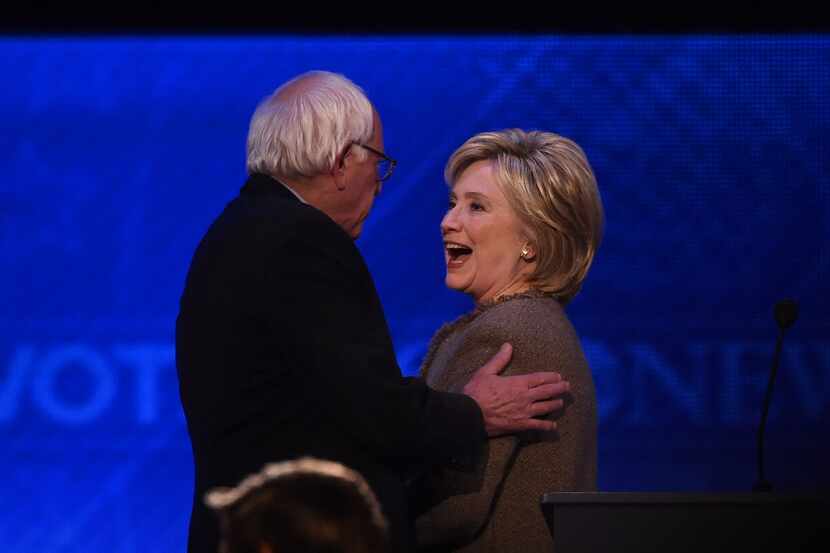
x,y
483,238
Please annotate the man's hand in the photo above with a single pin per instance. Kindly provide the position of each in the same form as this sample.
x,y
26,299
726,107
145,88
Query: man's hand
x,y
509,403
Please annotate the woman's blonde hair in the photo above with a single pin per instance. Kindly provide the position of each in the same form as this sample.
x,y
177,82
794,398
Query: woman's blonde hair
x,y
550,185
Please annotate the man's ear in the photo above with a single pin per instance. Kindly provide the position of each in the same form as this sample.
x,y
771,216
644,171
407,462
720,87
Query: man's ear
x,y
338,171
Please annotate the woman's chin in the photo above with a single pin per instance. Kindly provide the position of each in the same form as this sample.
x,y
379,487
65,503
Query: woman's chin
x,y
453,284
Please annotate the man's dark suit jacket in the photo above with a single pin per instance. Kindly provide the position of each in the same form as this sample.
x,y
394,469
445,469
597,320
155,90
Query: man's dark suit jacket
x,y
282,350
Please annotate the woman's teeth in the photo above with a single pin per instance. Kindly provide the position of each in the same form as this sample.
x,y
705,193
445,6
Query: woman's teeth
x,y
457,250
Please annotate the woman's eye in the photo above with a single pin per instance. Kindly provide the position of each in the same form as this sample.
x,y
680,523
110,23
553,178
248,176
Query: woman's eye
x,y
451,204
475,206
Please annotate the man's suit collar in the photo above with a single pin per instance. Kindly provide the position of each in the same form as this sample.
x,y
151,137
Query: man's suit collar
x,y
259,184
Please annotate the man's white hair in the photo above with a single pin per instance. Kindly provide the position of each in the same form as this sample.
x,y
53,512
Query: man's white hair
x,y
300,129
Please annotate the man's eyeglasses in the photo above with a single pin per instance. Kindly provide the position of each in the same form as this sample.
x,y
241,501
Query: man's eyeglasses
x,y
385,166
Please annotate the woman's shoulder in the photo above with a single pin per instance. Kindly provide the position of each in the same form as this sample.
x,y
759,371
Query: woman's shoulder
x,y
537,327
534,323
526,313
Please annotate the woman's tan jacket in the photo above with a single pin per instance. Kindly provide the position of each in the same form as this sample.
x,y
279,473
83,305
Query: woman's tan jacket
x,y
492,503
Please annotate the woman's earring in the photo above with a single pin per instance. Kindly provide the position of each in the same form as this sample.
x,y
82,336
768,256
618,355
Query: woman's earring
x,y
525,252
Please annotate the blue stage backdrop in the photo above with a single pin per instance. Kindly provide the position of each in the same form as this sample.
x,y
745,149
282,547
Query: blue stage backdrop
x,y
712,155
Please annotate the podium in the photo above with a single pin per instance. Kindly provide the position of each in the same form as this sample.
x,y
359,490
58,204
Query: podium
x,y
687,522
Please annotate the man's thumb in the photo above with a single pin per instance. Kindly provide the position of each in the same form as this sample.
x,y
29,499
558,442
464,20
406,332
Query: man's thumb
x,y
499,361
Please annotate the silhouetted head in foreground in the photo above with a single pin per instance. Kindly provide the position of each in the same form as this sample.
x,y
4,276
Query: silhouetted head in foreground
x,y
305,505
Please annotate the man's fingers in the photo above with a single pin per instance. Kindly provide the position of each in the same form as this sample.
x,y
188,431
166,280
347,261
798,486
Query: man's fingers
x,y
499,361
533,380
540,424
540,379
548,391
544,407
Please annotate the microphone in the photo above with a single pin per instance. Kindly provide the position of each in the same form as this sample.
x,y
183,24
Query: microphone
x,y
786,312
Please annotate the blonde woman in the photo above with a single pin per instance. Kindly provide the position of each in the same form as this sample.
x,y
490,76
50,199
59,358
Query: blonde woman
x,y
524,222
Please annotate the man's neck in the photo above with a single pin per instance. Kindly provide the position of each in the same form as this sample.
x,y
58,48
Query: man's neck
x,y
310,191
319,192
293,191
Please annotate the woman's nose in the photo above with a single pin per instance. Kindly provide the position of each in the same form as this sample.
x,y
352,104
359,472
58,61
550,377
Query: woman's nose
x,y
449,222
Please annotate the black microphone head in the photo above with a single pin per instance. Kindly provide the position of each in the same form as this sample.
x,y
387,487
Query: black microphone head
x,y
786,312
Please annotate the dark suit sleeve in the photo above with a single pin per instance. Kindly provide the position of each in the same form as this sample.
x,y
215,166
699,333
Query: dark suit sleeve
x,y
325,312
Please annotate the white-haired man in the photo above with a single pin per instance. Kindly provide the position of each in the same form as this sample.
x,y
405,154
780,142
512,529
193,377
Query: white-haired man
x,y
282,347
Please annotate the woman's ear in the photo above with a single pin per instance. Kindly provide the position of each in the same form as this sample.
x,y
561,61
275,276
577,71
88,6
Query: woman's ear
x,y
527,239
